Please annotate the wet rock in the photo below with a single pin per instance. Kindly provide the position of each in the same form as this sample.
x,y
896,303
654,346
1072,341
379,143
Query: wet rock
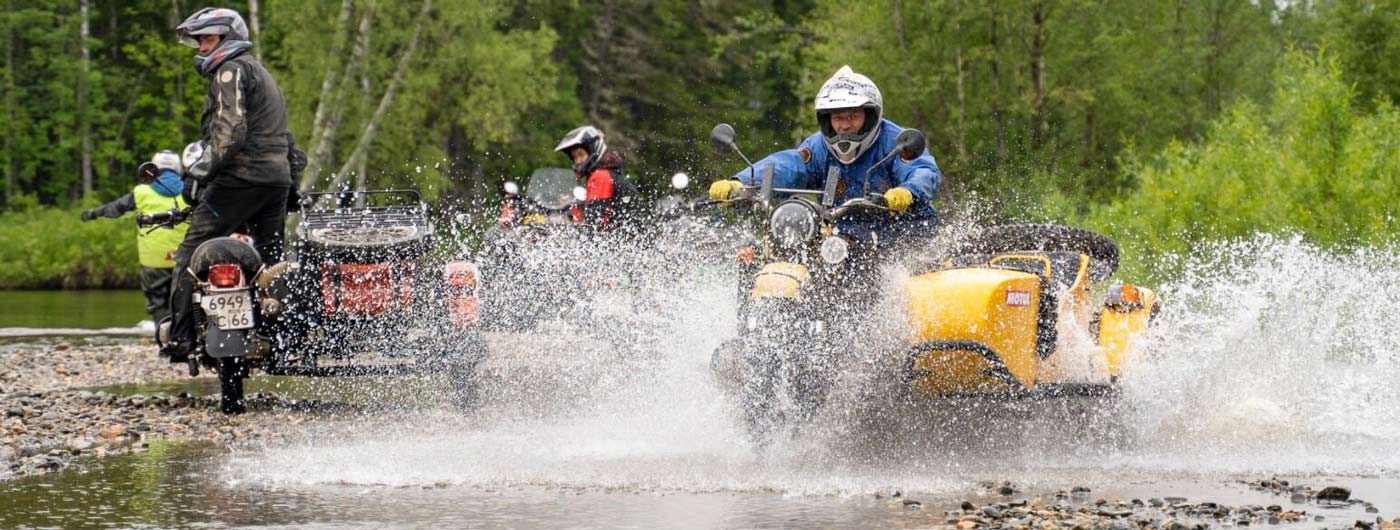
x,y
1006,489
1298,498
968,506
63,346
1372,509
1175,500
911,504
966,525
1155,502
992,512
1274,520
1334,494
1274,508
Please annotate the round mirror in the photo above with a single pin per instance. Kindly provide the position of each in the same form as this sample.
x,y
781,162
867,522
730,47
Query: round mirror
x,y
511,187
722,138
680,181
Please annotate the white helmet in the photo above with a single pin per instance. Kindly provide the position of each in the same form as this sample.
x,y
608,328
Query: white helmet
x,y
849,90
196,165
168,160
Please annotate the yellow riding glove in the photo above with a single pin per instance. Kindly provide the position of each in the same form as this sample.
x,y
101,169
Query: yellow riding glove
x,y
899,199
722,189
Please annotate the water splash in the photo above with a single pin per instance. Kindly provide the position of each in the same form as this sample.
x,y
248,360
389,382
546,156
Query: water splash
x,y
1271,356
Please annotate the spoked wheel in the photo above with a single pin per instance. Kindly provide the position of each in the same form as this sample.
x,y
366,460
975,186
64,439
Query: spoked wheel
x,y
232,370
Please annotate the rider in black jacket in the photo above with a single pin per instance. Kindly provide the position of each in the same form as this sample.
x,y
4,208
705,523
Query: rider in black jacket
x,y
244,169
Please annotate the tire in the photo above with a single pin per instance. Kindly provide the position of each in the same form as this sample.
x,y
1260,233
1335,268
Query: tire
x,y
1102,250
462,374
231,374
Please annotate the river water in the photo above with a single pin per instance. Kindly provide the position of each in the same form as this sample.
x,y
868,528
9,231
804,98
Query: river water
x,y
1272,359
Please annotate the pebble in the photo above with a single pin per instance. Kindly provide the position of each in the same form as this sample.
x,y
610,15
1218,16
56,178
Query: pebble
x,y
1334,493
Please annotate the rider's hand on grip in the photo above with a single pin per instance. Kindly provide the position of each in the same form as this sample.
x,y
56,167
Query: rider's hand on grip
x,y
722,189
899,199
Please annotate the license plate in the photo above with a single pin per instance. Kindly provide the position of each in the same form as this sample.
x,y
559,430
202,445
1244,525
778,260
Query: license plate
x,y
230,310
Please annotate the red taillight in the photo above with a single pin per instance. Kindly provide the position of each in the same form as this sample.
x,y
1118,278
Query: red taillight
x,y
225,275
461,274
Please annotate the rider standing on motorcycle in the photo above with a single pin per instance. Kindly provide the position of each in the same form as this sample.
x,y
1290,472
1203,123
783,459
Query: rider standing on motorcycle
x,y
158,191
607,191
853,138
244,164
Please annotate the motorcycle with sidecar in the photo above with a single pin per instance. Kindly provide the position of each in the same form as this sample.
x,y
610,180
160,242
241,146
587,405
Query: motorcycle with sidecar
x,y
360,294
992,316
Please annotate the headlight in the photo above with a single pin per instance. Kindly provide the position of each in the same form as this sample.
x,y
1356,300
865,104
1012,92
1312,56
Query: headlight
x,y
835,250
793,223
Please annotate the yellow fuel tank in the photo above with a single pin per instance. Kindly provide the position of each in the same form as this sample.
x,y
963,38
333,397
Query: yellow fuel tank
x,y
974,330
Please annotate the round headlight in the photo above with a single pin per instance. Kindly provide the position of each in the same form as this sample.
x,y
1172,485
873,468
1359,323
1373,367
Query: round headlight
x,y
835,250
793,224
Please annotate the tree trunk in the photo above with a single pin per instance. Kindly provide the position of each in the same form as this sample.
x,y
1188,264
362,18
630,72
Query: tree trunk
x,y
12,165
361,150
1038,16
321,130
997,111
960,135
84,132
897,16
253,30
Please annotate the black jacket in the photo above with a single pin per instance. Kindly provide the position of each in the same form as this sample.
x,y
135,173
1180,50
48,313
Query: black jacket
x,y
245,127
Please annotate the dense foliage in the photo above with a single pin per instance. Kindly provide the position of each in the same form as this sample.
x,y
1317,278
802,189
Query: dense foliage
x,y
1161,120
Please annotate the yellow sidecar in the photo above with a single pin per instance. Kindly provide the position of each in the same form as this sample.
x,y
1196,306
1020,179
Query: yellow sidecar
x,y
1014,311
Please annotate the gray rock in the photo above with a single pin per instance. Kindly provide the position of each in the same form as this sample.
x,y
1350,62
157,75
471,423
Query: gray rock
x,y
992,512
1372,509
1155,502
1334,494
1319,518
1273,519
968,506
911,504
1175,500
1298,498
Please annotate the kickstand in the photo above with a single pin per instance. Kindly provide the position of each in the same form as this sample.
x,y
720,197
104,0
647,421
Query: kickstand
x,y
194,366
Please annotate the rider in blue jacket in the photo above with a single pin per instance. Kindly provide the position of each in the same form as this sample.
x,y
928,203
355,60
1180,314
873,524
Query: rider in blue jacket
x,y
853,138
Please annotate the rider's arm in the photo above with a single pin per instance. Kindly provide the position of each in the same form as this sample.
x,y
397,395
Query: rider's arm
x,y
799,168
228,126
116,208
920,176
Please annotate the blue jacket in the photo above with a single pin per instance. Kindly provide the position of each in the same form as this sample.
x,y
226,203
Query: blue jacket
x,y
806,167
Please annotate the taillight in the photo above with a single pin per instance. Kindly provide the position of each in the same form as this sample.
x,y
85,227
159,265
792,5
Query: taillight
x,y
460,274
225,275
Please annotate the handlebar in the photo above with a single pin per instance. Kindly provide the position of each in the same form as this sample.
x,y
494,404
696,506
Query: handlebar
x,y
166,219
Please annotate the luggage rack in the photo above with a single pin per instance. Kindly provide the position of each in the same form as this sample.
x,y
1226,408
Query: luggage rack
x,y
401,224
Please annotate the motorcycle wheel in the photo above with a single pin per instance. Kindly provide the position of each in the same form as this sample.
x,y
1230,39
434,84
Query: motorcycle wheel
x,y
231,374
461,372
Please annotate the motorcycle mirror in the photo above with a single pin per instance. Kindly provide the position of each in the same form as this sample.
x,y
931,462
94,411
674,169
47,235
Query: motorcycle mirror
x,y
680,181
911,144
580,194
511,187
722,139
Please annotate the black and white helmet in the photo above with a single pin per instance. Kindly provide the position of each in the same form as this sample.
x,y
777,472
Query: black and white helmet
x,y
168,160
196,166
591,140
211,21
849,90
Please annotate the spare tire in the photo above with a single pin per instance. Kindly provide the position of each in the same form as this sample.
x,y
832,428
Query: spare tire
x,y
1102,250
225,250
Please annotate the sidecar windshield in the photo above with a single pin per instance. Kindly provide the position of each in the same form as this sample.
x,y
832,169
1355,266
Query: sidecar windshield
x,y
551,187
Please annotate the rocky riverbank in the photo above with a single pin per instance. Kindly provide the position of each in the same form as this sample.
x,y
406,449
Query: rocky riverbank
x,y
49,416
1077,509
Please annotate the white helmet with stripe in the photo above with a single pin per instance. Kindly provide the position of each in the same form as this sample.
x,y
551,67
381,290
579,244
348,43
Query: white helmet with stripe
x,y
849,90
